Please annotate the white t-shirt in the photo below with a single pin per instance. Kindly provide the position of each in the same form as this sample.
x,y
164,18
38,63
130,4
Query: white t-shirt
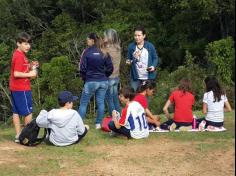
x,y
142,63
134,118
215,110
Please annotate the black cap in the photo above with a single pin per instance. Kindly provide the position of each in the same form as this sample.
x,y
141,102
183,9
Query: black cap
x,y
66,96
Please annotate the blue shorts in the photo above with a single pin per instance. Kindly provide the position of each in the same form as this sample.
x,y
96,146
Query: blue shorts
x,y
22,102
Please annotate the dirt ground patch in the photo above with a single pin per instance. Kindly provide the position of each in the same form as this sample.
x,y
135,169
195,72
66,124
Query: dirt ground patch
x,y
164,157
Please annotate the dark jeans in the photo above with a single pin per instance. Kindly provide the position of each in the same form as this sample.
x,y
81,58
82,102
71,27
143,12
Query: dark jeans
x,y
82,136
124,131
168,123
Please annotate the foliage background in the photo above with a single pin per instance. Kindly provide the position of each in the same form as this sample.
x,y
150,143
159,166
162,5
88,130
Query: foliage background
x,y
194,38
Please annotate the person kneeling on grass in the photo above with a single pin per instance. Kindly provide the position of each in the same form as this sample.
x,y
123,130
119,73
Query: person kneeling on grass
x,y
183,99
132,122
65,125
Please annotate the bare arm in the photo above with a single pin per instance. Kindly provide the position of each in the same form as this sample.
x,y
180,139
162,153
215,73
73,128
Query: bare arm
x,y
204,108
149,114
30,74
227,107
165,109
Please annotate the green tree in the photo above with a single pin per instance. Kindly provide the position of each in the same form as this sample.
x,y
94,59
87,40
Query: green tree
x,y
221,56
55,76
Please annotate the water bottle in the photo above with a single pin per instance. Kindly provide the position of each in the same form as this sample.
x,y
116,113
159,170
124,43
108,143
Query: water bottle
x,y
194,124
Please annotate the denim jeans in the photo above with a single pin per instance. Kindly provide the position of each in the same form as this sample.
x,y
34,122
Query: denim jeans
x,y
99,90
112,97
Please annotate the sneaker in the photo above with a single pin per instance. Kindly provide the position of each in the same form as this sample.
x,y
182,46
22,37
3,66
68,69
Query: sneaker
x,y
98,126
157,129
172,127
185,128
202,125
17,138
151,127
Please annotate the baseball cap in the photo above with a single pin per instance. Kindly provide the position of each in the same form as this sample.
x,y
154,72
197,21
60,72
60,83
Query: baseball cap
x,y
66,96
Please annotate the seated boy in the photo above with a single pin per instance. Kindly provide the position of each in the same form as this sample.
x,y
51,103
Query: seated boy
x,y
65,125
132,122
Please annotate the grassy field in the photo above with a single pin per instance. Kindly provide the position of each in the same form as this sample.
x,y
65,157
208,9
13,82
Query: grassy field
x,y
184,153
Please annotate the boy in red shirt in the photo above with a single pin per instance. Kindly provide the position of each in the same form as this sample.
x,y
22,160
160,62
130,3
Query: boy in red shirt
x,y
183,100
21,72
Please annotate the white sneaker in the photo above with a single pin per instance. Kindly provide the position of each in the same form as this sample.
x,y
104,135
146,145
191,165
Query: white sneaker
x,y
17,138
202,125
98,126
172,127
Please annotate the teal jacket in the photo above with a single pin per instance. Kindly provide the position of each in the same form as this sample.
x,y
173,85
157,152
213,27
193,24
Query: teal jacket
x,y
152,59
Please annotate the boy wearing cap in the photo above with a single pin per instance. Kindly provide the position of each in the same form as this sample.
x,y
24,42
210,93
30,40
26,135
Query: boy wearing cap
x,y
65,124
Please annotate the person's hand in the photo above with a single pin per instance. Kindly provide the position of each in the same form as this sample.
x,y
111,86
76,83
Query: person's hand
x,y
34,64
151,69
114,114
128,62
33,73
86,126
137,54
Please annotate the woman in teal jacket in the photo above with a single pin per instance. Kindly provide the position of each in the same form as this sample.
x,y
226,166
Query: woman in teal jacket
x,y
142,57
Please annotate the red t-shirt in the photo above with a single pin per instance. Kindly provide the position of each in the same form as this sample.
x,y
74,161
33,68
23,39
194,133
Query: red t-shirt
x,y
140,98
183,106
123,115
19,63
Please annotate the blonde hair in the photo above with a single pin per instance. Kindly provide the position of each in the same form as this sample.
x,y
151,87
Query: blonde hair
x,y
112,38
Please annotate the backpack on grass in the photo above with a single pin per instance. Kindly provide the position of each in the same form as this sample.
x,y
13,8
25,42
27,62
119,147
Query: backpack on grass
x,y
29,134
105,123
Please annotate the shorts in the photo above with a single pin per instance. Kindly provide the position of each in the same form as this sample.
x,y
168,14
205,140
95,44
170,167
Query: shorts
x,y
22,102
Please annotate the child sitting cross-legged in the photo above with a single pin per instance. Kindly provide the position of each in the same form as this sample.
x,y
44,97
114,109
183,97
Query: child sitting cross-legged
x,y
183,100
132,122
64,124
146,89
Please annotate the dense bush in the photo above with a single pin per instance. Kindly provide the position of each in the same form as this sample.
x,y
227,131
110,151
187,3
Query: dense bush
x,y
57,75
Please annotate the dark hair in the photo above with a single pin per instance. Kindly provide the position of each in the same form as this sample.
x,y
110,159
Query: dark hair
x,y
98,43
141,28
23,37
128,92
213,85
61,104
93,36
148,84
185,85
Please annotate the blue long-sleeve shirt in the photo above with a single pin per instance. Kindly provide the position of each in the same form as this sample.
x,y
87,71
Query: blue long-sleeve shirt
x,y
94,66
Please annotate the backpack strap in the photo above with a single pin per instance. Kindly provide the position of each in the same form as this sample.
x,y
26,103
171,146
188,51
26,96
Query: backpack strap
x,y
39,140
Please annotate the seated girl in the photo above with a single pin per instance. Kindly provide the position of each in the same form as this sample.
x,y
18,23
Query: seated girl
x,y
215,103
183,100
146,89
132,122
